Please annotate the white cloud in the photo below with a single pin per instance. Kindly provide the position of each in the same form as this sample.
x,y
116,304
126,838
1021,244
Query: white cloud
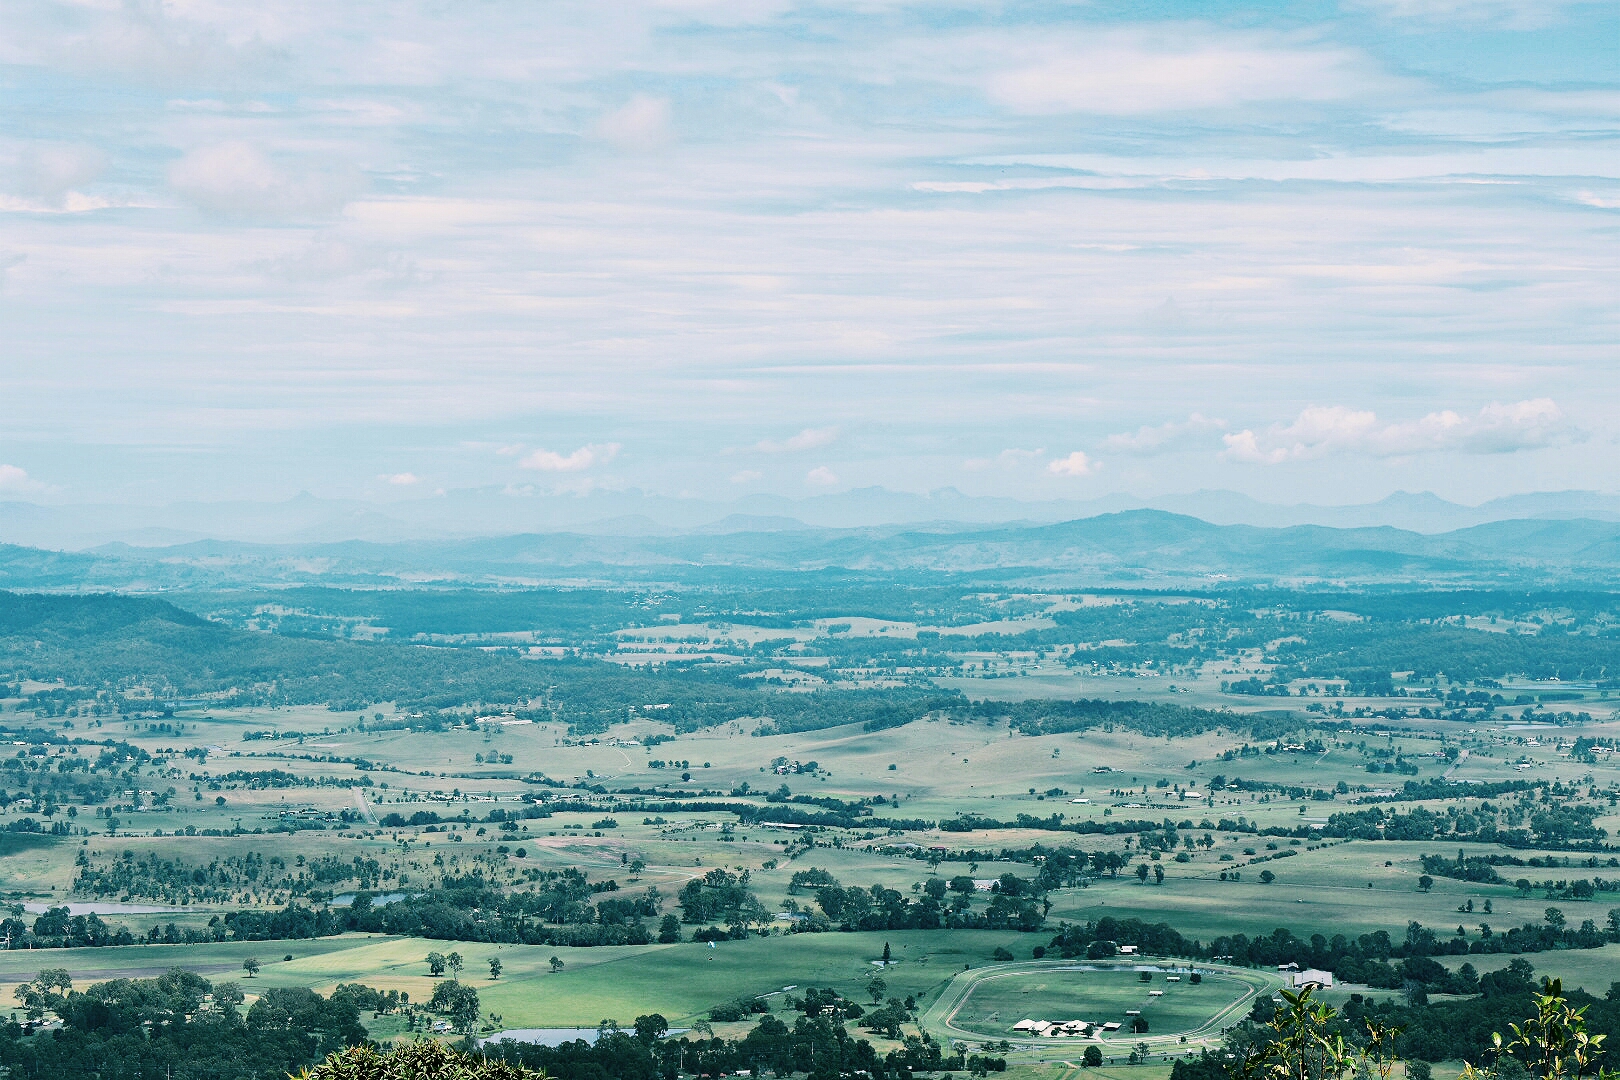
x,y
821,476
403,479
808,439
1520,14
14,478
1076,464
1131,72
1010,458
578,461
49,171
237,179
1164,438
1322,430
747,476
642,123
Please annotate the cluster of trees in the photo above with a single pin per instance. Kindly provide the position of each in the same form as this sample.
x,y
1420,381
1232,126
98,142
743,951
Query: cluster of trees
x,y
1375,959
178,1024
1564,825
720,896
563,908
221,880
1015,904
819,1046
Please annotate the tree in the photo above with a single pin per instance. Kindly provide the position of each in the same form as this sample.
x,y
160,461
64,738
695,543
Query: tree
x,y
669,930
455,963
1267,877
251,966
1142,872
1139,1025
556,964
1092,1058
1554,917
875,986
1158,874
494,967
227,996
651,1027
885,952
458,1002
1425,883
47,993
435,963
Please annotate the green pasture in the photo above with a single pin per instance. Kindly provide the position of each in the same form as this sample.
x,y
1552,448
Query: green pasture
x,y
1592,970
681,981
1322,891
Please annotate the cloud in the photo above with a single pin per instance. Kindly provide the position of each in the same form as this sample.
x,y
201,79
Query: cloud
x,y
49,171
642,123
1010,458
1165,438
403,479
1519,14
1076,464
1131,72
237,179
747,476
1322,430
821,476
578,461
13,478
808,439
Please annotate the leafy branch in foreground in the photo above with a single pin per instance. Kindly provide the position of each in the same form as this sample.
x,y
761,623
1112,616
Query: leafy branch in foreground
x,y
419,1060
1554,1044
1301,1042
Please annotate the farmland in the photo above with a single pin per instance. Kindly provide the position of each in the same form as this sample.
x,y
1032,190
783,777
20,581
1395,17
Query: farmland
x,y
943,802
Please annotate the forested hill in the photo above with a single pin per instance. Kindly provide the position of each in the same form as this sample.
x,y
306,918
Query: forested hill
x,y
101,646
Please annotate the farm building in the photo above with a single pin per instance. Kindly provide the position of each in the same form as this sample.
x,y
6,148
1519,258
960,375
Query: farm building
x,y
1313,978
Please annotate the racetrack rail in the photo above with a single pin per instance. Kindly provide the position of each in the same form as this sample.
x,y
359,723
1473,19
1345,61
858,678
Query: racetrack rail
x,y
939,1019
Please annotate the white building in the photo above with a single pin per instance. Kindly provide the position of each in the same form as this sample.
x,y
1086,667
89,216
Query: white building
x,y
1313,978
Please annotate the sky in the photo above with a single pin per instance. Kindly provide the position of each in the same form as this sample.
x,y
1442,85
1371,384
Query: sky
x,y
1310,252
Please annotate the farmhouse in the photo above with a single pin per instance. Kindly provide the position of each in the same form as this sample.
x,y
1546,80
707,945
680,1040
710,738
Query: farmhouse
x,y
1313,978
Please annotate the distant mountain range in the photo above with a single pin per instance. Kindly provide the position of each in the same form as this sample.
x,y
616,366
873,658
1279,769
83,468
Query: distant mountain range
x,y
1131,548
483,512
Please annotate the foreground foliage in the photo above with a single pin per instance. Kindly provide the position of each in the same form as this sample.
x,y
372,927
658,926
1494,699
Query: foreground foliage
x,y
420,1060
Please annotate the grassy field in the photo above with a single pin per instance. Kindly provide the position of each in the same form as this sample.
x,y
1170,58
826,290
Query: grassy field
x,y
1070,992
681,981
934,769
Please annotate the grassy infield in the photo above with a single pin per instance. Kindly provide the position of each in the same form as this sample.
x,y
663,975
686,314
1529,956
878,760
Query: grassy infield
x,y
939,770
